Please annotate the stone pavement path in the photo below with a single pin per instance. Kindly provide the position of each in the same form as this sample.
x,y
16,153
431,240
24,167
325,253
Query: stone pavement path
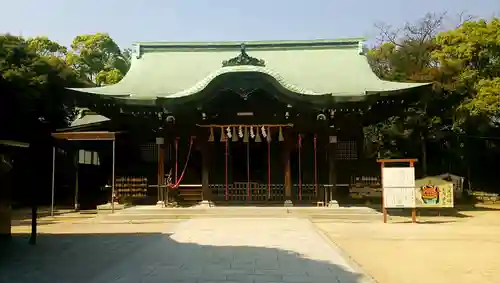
x,y
198,250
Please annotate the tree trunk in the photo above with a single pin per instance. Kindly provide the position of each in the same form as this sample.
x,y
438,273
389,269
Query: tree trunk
x,y
424,154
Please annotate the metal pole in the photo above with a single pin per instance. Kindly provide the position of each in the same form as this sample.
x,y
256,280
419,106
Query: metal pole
x,y
53,180
113,179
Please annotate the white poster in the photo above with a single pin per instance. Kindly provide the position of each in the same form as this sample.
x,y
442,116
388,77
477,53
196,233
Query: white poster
x,y
399,187
399,197
398,177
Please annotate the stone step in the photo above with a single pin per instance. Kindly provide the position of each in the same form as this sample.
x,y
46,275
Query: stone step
x,y
151,210
157,213
151,217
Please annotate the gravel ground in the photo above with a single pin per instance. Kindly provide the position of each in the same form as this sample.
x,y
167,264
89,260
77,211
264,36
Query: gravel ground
x,y
436,250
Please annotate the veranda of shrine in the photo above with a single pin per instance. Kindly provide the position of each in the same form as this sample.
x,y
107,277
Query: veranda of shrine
x,y
232,123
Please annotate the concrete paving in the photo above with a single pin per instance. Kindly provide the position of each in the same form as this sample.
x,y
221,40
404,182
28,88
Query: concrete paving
x,y
196,250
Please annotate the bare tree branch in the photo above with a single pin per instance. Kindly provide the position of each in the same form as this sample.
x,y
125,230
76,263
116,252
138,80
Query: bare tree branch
x,y
387,34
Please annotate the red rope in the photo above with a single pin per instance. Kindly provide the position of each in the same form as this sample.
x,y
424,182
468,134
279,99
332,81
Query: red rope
x,y
178,182
176,145
226,189
268,170
315,167
300,168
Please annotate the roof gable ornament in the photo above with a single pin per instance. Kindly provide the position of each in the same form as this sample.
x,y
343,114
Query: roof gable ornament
x,y
361,48
243,59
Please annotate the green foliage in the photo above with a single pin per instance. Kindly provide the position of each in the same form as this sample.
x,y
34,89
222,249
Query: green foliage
x,y
43,46
106,77
470,55
98,59
34,73
33,80
464,65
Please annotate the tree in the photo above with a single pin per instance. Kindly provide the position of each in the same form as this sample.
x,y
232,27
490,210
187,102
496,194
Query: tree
x,y
45,47
470,55
406,55
32,85
98,59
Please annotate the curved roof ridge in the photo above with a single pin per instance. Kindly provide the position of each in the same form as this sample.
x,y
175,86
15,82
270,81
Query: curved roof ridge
x,y
202,84
337,70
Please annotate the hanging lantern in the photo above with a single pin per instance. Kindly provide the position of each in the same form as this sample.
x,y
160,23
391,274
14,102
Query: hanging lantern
x,y
280,135
245,135
235,136
257,137
268,138
211,137
252,134
240,132
228,133
263,131
222,135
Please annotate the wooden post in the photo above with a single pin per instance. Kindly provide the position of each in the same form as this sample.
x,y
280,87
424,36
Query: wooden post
x,y
414,209
113,178
205,172
287,169
384,210
161,168
77,182
411,162
332,173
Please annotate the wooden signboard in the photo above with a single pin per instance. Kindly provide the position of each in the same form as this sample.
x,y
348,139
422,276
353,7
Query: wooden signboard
x,y
398,187
434,192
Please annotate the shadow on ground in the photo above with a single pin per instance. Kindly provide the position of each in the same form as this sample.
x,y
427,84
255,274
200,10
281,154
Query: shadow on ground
x,y
108,258
457,211
429,222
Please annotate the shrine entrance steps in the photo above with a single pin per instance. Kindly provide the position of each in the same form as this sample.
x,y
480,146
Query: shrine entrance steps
x,y
145,214
189,195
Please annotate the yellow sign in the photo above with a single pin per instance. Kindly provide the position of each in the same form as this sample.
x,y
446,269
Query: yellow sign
x,y
433,192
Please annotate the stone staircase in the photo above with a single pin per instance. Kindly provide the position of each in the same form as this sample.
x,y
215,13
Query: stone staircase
x,y
189,195
145,214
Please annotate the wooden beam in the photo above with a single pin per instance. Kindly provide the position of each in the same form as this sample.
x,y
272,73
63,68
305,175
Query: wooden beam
x,y
85,136
14,143
401,160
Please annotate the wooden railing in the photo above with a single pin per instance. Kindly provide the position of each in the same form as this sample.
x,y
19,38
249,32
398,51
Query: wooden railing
x,y
261,192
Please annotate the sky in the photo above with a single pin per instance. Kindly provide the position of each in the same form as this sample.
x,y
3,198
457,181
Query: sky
x,y
222,20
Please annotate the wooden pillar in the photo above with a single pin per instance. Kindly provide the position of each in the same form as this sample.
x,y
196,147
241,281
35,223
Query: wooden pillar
x,y
5,198
332,173
321,154
5,218
287,168
77,182
161,168
414,209
205,171
384,210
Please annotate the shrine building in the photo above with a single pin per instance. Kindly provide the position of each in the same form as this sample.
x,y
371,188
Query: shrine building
x,y
263,122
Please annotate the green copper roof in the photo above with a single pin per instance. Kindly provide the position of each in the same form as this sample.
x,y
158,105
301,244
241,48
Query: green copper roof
x,y
86,117
319,67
